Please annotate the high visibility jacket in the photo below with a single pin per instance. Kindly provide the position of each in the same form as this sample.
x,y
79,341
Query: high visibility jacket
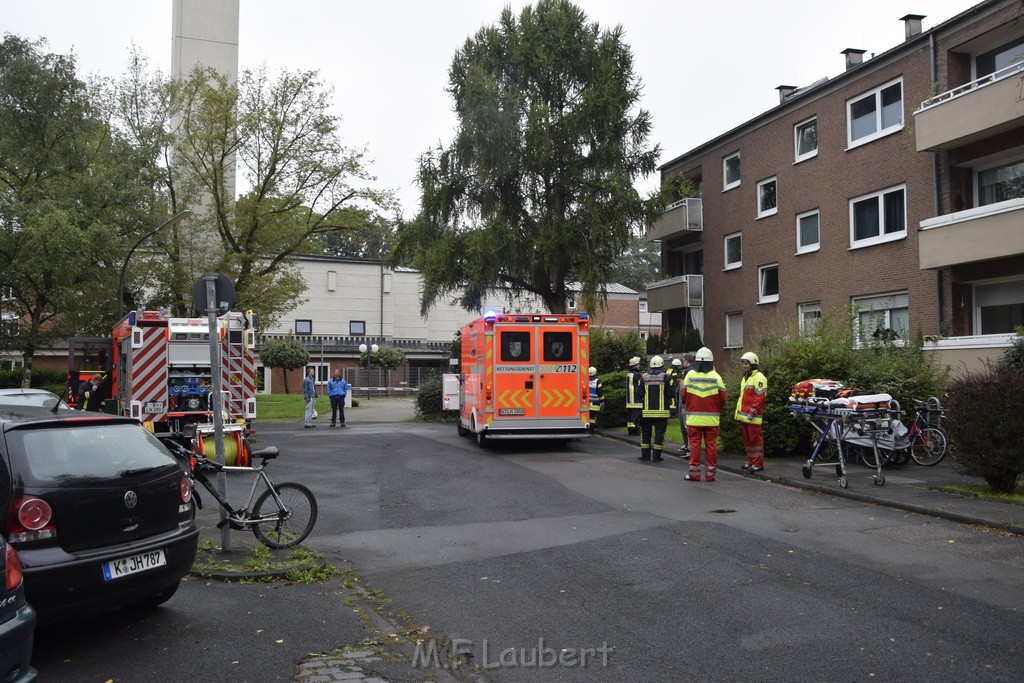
x,y
673,383
596,393
705,397
753,391
634,396
655,393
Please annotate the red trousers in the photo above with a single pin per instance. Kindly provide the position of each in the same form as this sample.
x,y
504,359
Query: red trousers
x,y
753,444
710,437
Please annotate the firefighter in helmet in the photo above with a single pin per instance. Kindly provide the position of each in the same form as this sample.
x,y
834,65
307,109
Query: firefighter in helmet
x,y
634,399
704,394
655,386
596,394
750,410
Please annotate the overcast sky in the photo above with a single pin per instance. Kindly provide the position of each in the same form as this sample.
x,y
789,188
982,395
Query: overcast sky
x,y
706,66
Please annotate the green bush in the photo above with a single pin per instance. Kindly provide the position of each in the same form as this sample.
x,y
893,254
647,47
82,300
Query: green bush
x,y
42,378
613,403
653,345
985,429
428,402
610,352
1013,358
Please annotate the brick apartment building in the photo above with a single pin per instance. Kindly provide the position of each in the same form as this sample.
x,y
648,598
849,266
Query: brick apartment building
x,y
896,186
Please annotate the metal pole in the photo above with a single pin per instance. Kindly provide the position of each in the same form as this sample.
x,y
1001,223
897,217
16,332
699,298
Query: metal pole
x,y
217,402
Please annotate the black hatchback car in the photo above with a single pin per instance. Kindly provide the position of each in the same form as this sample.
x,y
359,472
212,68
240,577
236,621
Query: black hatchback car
x,y
98,509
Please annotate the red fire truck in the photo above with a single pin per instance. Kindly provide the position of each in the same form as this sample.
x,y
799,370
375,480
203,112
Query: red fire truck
x,y
524,376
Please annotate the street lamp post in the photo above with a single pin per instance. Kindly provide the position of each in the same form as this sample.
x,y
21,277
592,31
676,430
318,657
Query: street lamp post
x,y
373,348
124,268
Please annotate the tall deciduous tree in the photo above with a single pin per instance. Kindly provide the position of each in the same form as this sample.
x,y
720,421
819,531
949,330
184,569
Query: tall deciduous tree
x,y
536,190
297,182
72,198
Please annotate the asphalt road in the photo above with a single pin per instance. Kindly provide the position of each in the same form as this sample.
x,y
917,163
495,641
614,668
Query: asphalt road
x,y
527,553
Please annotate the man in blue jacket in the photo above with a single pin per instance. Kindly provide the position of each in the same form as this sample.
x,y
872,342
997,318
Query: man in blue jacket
x,y
337,390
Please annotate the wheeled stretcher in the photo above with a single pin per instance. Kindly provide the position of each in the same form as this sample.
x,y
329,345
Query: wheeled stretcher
x,y
863,420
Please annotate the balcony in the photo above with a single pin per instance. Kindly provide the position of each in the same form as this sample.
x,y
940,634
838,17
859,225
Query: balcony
x,y
976,110
980,234
679,218
683,291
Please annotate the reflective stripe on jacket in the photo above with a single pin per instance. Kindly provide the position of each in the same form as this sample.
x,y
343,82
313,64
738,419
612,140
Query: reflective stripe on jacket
x,y
596,392
655,393
634,398
750,404
705,397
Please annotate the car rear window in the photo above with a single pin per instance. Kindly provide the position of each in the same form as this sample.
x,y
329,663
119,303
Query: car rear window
x,y
79,454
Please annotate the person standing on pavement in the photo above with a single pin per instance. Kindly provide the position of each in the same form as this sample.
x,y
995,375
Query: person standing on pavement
x,y
634,399
686,364
309,393
654,414
337,390
596,394
704,395
750,411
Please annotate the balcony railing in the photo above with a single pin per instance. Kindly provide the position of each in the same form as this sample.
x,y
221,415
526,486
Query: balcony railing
x,y
974,111
679,218
683,291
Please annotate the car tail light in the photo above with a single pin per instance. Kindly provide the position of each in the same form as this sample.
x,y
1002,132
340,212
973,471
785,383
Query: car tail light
x,y
13,573
30,519
186,489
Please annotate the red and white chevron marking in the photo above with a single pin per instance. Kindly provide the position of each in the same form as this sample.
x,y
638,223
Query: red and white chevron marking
x,y
149,371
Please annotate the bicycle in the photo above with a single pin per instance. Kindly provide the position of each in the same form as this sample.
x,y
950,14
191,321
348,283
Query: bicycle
x,y
925,441
281,517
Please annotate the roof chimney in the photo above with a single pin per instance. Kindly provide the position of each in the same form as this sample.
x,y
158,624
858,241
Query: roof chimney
x,y
912,24
785,91
854,57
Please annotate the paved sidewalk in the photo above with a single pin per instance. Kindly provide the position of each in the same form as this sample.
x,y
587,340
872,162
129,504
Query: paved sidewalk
x,y
908,487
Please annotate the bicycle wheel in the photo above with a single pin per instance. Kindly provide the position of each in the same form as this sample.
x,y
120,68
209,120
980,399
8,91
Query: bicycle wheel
x,y
293,523
929,447
829,451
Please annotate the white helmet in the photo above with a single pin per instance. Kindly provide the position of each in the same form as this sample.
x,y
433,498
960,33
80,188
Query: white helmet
x,y
657,362
751,358
593,371
704,353
635,360
676,363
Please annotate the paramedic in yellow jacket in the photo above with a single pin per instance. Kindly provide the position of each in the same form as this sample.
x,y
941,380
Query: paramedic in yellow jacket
x,y
750,410
704,393
654,385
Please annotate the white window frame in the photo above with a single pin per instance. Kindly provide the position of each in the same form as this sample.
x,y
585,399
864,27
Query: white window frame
x,y
882,302
322,374
762,271
883,236
726,185
802,312
725,250
1012,286
797,156
332,280
734,330
771,211
880,132
807,248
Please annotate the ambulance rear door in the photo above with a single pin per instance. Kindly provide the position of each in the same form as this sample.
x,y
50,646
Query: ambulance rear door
x,y
558,371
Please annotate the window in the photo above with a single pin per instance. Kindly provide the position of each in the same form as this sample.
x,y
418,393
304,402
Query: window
x,y
879,217
643,305
303,327
808,232
9,325
1001,183
733,330
767,198
323,372
731,171
999,307
875,114
332,280
558,346
805,139
882,318
733,250
1000,58
810,317
515,347
357,328
768,284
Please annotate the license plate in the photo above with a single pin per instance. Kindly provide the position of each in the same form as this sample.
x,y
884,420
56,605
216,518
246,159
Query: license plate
x,y
134,564
156,408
